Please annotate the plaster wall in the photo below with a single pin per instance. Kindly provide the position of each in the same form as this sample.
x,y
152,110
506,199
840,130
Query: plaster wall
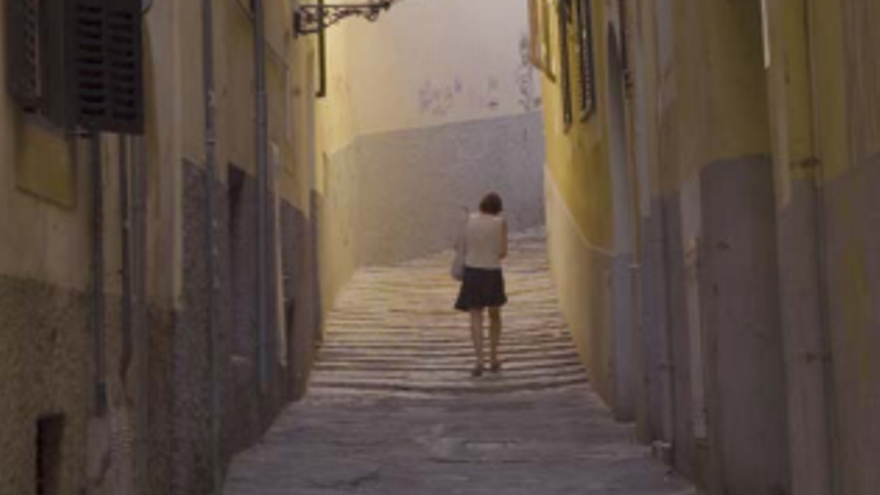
x,y
418,124
589,163
852,277
850,194
435,77
707,118
824,89
579,269
45,258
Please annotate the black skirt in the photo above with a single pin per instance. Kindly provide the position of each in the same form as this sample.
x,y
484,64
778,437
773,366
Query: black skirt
x,y
481,289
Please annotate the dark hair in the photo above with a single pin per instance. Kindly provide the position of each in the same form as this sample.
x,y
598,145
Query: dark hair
x,y
491,204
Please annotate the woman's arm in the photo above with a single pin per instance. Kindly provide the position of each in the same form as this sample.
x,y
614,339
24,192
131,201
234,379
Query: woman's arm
x,y
503,238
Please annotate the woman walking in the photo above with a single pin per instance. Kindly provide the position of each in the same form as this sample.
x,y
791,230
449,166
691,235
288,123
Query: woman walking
x,y
482,287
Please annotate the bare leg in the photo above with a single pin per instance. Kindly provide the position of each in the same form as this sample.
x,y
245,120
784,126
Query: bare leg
x,y
494,336
477,335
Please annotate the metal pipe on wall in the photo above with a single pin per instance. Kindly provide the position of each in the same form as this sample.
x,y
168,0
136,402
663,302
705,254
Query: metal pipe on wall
x,y
262,145
98,302
125,223
139,309
322,56
211,252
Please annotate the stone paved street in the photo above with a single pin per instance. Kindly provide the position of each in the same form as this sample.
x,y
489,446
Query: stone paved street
x,y
393,410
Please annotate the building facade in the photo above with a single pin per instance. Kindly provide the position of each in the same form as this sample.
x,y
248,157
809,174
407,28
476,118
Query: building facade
x,y
709,188
130,283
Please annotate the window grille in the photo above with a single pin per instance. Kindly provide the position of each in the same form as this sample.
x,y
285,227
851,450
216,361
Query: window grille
x,y
78,62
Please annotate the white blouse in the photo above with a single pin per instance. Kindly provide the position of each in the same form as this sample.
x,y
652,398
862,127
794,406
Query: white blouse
x,y
485,241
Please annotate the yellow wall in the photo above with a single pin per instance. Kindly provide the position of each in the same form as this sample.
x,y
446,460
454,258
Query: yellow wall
x,y
580,220
45,193
695,112
577,158
335,133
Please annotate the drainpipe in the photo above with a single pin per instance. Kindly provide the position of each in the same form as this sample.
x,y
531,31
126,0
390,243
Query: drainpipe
x,y
262,144
125,222
821,229
322,55
139,310
98,344
211,253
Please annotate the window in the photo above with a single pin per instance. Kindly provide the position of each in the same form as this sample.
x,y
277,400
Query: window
x,y
105,64
586,68
77,62
25,58
539,37
565,62
50,432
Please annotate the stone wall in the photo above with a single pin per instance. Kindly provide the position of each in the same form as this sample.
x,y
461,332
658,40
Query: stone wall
x,y
43,327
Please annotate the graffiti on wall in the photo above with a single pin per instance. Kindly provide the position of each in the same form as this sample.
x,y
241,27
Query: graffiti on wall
x,y
438,99
529,96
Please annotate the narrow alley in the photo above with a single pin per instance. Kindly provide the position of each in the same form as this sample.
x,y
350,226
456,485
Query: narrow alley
x,y
226,231
391,408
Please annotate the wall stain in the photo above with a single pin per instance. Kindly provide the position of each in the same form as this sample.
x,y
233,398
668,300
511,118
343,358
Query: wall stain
x,y
529,96
438,99
858,312
492,86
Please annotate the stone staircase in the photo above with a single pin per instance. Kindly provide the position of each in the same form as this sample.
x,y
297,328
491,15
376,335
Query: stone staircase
x,y
394,332
393,409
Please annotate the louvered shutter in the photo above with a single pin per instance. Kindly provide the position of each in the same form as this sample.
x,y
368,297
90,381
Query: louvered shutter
x,y
24,47
586,66
78,62
565,62
105,64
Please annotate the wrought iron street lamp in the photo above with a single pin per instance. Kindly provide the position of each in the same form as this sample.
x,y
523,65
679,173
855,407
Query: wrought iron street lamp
x,y
315,18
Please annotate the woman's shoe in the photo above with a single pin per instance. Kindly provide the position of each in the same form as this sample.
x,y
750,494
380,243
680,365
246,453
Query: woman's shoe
x,y
477,371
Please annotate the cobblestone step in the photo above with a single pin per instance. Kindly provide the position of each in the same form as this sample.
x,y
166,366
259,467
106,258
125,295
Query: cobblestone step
x,y
394,329
391,408
428,349
448,365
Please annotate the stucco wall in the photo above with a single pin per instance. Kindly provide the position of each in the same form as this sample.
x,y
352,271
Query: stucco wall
x,y
583,171
853,274
826,145
412,131
694,112
158,368
579,268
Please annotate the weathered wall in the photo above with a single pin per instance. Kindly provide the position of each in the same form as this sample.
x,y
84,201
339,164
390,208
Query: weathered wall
x,y
714,113
581,171
413,184
850,164
753,157
412,131
685,212
824,89
42,324
580,267
154,435
47,357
